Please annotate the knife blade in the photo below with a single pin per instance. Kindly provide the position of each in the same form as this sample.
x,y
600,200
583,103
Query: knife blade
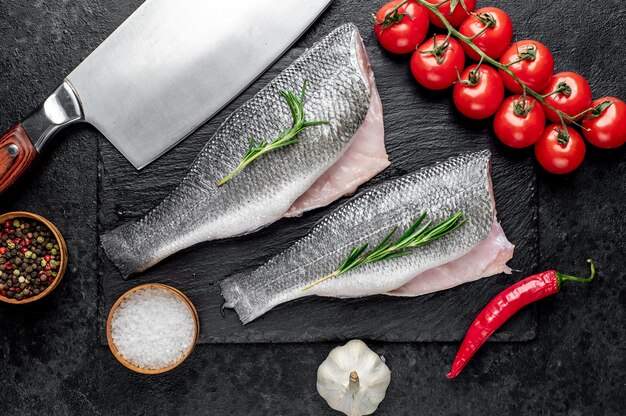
x,y
160,75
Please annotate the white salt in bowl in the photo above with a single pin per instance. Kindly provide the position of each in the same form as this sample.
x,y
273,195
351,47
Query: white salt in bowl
x,y
145,341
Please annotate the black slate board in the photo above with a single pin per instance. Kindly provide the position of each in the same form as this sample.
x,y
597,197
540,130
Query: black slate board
x,y
419,133
51,361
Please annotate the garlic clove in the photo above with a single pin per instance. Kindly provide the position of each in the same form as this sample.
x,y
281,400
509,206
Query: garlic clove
x,y
353,379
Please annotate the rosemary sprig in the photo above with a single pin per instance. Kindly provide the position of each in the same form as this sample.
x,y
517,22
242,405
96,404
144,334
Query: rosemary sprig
x,y
286,138
415,236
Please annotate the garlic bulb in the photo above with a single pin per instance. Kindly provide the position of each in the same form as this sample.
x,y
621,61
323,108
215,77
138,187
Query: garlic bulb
x,y
353,379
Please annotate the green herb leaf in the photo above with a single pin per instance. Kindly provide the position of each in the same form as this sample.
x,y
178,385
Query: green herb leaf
x,y
286,138
417,235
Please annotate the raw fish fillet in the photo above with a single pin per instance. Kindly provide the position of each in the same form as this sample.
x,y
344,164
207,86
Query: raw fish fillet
x,y
340,89
460,183
364,159
489,257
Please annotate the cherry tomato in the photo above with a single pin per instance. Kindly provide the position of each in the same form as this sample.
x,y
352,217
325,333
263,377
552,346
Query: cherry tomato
x,y
560,152
605,126
456,17
568,92
534,65
519,122
400,29
436,62
493,30
479,93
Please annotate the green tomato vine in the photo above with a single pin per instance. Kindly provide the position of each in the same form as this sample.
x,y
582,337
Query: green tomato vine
x,y
434,8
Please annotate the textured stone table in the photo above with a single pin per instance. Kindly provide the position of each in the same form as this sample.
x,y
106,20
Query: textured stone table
x,y
51,360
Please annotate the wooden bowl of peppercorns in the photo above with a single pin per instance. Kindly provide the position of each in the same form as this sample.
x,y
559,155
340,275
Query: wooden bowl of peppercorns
x,y
33,257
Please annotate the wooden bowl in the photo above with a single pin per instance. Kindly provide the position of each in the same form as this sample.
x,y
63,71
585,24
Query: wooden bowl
x,y
62,254
172,290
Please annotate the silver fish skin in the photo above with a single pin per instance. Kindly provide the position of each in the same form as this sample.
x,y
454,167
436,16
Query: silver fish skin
x,y
197,210
460,183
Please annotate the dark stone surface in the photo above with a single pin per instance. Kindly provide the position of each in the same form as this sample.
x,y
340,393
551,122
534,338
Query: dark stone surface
x,y
51,361
125,193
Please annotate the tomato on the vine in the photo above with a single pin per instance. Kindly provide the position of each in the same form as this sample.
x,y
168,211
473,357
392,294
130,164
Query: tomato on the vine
x,y
479,93
605,125
493,30
436,62
519,122
400,28
531,62
569,93
456,16
560,151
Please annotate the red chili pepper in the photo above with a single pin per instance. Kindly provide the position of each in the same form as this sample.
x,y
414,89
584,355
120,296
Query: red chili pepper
x,y
506,304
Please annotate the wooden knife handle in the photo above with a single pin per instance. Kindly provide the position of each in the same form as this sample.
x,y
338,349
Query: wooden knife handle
x,y
17,154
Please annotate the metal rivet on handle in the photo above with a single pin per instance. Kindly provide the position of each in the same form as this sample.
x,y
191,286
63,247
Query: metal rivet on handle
x,y
13,150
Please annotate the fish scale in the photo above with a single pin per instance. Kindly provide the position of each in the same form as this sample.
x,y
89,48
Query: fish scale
x,y
197,210
460,183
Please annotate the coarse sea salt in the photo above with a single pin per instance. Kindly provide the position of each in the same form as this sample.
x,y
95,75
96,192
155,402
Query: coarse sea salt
x,y
153,328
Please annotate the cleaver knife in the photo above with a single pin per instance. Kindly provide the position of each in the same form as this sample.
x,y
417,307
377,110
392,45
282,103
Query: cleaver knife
x,y
163,73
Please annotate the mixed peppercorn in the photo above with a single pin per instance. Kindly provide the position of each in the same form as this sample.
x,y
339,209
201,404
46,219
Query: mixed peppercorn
x,y
29,258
